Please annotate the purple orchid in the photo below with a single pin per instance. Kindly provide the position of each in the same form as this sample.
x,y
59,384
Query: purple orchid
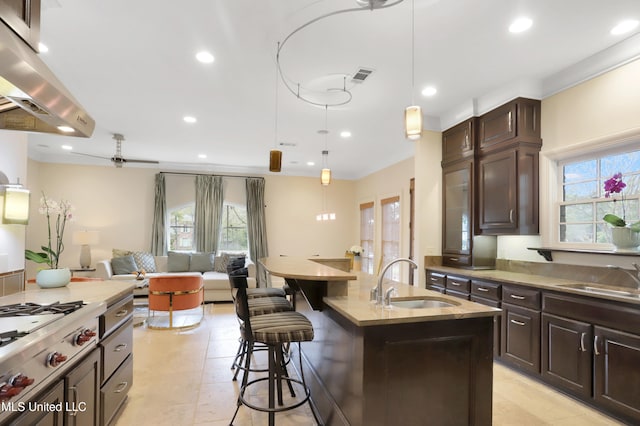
x,y
615,185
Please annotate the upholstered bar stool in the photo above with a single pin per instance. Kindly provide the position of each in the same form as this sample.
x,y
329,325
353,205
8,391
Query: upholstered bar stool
x,y
274,331
173,293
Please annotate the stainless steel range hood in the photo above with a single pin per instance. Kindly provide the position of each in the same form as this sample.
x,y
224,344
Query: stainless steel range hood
x,y
32,99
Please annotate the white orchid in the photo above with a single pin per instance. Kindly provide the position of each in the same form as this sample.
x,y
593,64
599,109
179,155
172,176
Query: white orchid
x,y
356,250
62,211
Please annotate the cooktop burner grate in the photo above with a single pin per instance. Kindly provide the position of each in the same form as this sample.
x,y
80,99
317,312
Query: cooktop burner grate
x,y
23,309
10,336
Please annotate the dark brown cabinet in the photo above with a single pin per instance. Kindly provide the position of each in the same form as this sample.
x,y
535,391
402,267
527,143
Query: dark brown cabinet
x,y
43,417
518,120
435,281
566,354
459,141
521,337
23,17
617,371
489,294
81,392
457,224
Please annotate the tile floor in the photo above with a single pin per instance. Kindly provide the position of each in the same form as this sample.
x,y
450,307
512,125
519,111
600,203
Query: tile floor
x,y
183,378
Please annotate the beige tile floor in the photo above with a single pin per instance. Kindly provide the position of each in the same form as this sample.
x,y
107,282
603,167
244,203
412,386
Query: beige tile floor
x,y
183,378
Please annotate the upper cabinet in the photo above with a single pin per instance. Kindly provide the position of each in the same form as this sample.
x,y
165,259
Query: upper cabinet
x,y
23,17
516,121
459,141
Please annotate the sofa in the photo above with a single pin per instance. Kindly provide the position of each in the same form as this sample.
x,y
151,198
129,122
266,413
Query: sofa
x,y
216,283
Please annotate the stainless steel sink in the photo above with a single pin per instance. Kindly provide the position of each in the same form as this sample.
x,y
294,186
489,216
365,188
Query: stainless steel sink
x,y
603,290
422,303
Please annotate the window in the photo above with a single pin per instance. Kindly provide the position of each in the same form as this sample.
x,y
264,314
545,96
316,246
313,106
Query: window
x,y
366,236
391,234
181,228
233,230
583,204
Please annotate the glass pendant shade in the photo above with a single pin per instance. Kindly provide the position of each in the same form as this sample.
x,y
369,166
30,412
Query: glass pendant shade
x,y
325,177
275,160
413,122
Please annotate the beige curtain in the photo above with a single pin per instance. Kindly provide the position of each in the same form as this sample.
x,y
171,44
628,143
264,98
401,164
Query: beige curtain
x,y
256,226
158,231
208,212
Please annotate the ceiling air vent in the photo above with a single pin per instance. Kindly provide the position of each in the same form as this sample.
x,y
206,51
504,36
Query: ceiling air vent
x,y
361,75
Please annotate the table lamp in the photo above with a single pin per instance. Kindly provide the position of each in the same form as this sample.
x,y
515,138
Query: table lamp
x,y
85,239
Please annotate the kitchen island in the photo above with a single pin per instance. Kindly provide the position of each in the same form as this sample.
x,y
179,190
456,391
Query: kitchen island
x,y
370,365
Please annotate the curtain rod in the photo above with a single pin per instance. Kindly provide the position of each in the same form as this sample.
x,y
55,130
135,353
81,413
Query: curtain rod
x,y
211,174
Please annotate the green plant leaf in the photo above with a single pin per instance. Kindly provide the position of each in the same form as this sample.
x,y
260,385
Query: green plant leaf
x,y
635,227
36,257
613,220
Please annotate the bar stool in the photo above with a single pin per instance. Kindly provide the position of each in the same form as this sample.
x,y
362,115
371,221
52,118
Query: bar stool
x,y
273,331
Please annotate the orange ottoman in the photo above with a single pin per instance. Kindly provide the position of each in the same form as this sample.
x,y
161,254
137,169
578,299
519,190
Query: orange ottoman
x,y
173,293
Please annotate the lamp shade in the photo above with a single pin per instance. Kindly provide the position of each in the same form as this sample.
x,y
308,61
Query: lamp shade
x,y
85,237
413,122
275,160
325,177
15,206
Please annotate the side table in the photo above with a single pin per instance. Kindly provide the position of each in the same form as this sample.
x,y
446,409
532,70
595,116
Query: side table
x,y
76,270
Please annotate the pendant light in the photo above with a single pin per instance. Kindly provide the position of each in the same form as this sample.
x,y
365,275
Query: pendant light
x,y
275,155
413,113
325,174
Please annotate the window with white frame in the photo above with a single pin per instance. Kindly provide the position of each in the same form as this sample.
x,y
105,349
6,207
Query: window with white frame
x,y
391,234
583,203
233,230
181,236
367,236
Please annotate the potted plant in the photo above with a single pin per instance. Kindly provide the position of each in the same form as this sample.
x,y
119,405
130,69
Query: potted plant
x,y
354,253
60,212
623,235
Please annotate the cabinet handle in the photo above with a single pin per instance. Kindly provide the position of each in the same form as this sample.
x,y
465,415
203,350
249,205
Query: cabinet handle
x,y
515,296
434,279
511,216
75,400
120,347
122,313
582,336
466,140
455,284
482,289
454,259
122,387
595,346
518,323
510,126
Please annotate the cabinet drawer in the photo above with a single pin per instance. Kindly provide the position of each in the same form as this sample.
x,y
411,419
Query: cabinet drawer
x,y
458,294
436,278
521,296
456,260
114,392
486,290
115,349
115,315
458,284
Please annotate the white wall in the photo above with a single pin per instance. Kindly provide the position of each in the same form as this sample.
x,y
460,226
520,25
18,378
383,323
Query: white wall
x,y
13,163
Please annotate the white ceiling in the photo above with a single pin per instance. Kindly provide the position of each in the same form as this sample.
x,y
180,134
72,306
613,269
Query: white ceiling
x,y
131,65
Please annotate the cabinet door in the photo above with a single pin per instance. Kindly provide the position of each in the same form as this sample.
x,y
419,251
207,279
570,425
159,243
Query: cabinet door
x,y
458,141
520,343
497,126
457,206
498,193
566,354
617,371
496,322
82,392
23,16
44,417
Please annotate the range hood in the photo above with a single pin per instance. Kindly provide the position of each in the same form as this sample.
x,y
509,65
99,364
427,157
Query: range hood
x,y
32,99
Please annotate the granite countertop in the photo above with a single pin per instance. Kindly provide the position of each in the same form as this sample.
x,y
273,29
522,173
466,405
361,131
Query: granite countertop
x,y
303,269
87,291
540,281
357,308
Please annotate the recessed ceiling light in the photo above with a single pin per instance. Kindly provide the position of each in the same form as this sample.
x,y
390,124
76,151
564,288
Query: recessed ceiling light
x,y
345,134
429,91
624,27
310,163
205,57
202,156
67,147
66,129
42,48
520,25
189,119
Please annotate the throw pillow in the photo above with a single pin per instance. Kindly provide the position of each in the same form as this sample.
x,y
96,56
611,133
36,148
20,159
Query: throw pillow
x,y
217,264
201,262
145,260
123,265
178,262
222,262
120,253
236,263
242,272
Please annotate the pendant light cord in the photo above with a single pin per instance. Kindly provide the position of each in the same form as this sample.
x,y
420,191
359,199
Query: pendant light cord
x,y
413,55
276,106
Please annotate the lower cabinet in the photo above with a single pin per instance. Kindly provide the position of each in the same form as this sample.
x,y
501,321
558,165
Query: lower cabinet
x,y
81,392
44,417
566,354
521,337
617,371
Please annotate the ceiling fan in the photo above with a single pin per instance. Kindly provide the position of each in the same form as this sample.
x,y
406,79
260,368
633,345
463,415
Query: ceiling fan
x,y
118,160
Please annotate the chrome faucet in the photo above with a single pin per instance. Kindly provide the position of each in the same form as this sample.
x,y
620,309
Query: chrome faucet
x,y
376,292
636,277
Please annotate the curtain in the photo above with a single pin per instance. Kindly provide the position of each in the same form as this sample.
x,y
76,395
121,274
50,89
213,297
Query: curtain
x,y
158,232
209,204
256,225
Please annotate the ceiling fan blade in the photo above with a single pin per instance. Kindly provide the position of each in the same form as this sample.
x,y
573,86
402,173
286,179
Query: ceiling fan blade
x,y
90,155
131,160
